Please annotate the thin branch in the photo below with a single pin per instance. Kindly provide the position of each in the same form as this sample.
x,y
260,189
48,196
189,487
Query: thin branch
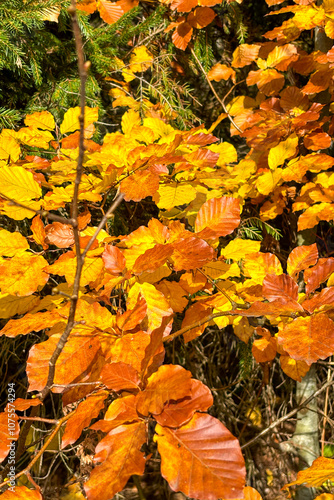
x,y
60,423
289,415
42,213
221,102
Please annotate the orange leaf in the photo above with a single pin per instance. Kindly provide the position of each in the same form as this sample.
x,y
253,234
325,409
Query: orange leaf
x,y
121,411
21,493
113,11
195,313
318,274
208,468
170,382
152,258
314,214
190,253
321,470
301,258
279,287
177,414
84,413
218,217
174,293
182,35
317,140
23,274
59,234
294,369
320,300
31,322
38,231
245,54
220,72
282,56
114,260
264,349
249,492
201,17
308,339
76,358
23,404
269,81
139,185
120,376
319,81
131,349
121,456
133,317
84,220
88,6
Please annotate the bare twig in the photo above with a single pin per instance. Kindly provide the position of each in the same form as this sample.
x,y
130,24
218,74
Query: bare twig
x,y
60,423
289,415
42,213
221,102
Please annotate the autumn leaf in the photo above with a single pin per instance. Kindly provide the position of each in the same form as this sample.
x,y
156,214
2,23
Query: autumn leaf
x,y
308,339
85,412
60,235
23,274
321,470
301,258
218,217
208,461
21,493
178,413
121,457
120,376
170,382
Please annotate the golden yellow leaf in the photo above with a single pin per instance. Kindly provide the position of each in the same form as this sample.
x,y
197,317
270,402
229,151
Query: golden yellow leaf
x,y
237,249
129,120
19,184
267,182
173,195
10,305
18,213
34,137
141,59
71,120
258,265
41,119
220,270
9,148
227,153
157,305
283,151
12,243
320,471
